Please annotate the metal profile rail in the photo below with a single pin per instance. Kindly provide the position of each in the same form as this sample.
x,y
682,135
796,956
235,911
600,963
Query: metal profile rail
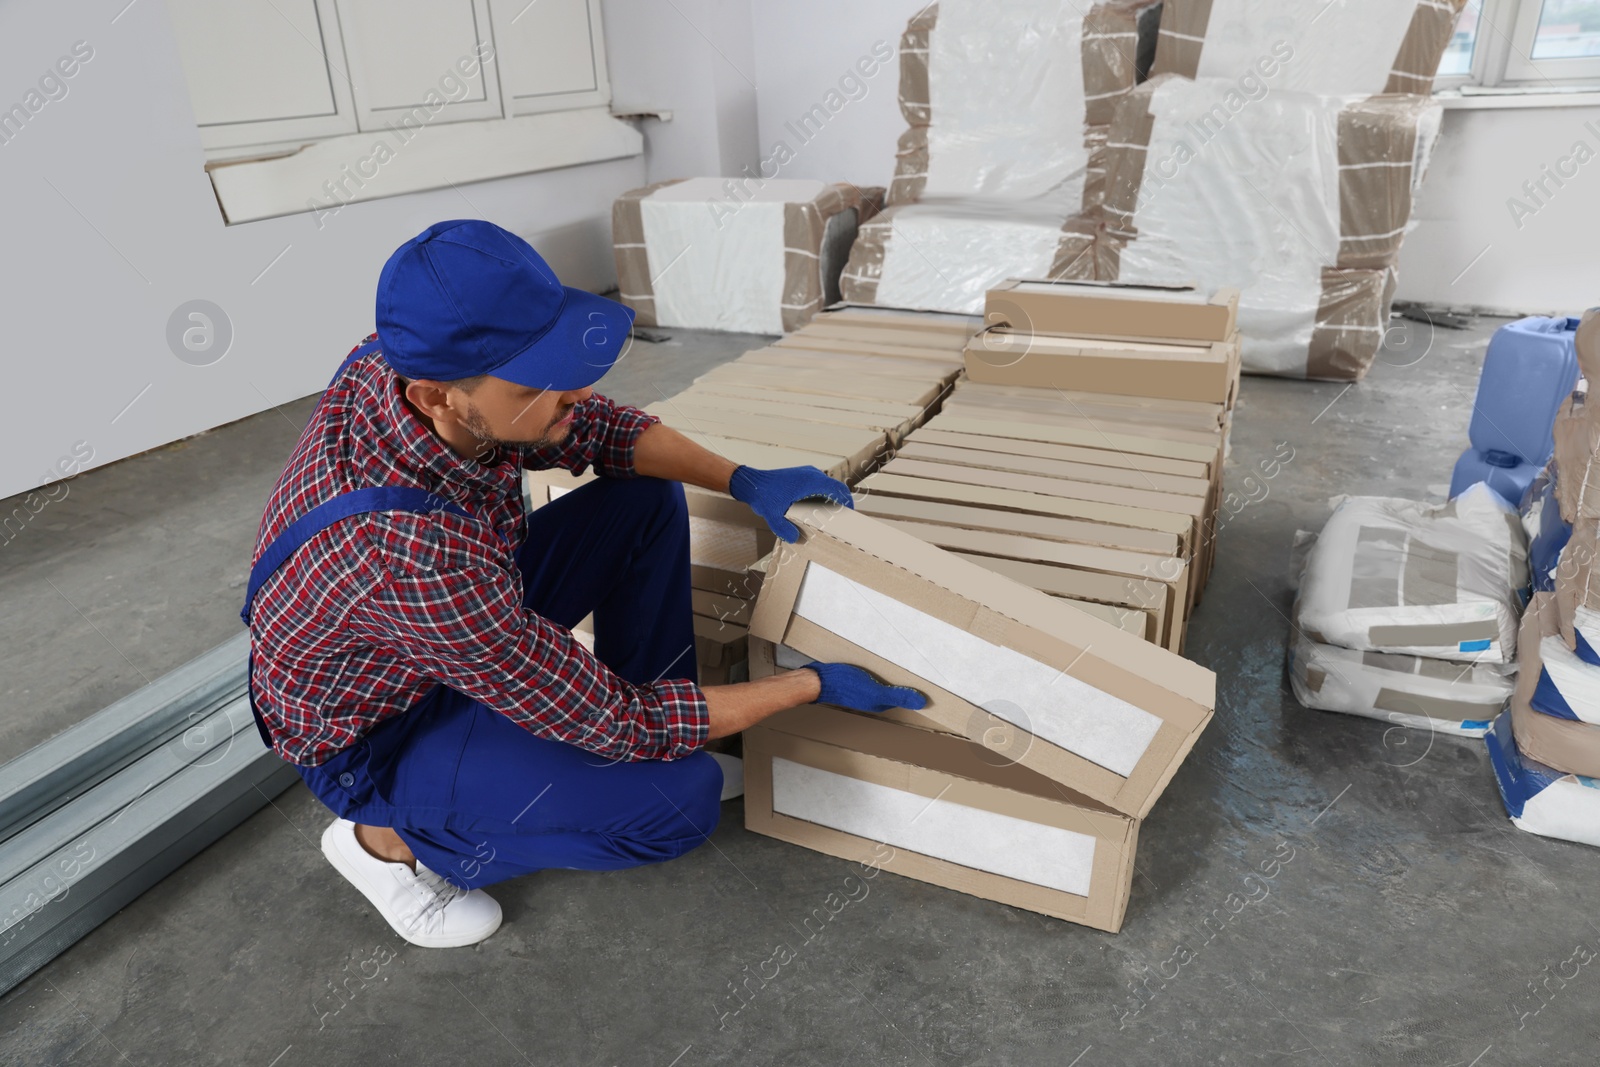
x,y
105,810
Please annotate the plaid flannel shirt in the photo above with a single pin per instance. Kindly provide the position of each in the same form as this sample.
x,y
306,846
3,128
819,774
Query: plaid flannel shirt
x,y
375,610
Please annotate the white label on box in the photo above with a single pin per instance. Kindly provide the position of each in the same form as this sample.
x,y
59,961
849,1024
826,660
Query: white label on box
x,y
1000,844
1045,701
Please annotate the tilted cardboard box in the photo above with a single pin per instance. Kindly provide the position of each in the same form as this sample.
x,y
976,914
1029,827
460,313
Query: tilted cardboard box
x,y
846,785
1102,711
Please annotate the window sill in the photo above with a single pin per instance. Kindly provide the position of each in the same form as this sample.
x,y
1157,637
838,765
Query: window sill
x,y
323,176
1491,99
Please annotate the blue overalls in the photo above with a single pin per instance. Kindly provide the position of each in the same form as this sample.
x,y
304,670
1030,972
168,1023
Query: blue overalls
x,y
478,798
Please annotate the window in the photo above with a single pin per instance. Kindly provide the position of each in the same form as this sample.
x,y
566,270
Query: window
x,y
1524,45
307,105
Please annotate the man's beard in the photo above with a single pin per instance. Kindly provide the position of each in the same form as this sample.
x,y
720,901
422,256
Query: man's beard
x,y
475,424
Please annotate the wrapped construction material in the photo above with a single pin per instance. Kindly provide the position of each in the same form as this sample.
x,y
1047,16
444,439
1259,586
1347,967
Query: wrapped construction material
x,y
1430,694
1352,46
1556,737
1577,591
993,92
1390,575
735,253
946,256
1539,798
1299,200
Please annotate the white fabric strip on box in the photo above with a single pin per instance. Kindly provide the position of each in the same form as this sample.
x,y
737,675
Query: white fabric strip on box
x,y
1273,159
984,840
1006,119
1042,700
717,257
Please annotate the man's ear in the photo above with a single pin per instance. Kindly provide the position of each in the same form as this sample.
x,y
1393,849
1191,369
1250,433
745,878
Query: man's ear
x,y
429,397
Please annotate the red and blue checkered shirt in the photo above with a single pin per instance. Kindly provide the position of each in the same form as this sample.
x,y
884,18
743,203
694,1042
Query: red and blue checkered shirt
x,y
375,610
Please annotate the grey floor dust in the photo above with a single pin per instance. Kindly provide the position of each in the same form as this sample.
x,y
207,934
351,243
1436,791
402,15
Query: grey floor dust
x,y
1406,921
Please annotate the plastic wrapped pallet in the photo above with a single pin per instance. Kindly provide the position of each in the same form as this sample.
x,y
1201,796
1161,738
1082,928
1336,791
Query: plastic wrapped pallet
x,y
1577,590
1390,575
945,256
1539,798
1556,737
1353,46
993,92
736,253
1299,200
1428,694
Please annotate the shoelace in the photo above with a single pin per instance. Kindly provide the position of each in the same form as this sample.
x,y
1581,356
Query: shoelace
x,y
443,894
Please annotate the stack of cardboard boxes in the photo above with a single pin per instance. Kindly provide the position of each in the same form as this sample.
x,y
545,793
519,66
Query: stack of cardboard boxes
x,y
1048,734
839,394
1082,452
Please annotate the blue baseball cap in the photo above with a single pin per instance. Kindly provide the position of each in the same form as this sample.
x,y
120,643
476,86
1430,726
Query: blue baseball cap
x,y
467,297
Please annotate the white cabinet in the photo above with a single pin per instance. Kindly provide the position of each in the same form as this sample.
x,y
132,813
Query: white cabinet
x,y
551,53
268,76
420,61
261,71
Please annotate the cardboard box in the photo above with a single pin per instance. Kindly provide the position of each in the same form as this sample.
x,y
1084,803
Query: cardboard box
x,y
1190,414
811,359
907,350
932,432
1207,437
872,386
1158,584
840,783
1132,368
859,448
1032,503
699,403
874,315
719,643
1104,713
1112,309
722,607
915,448
1046,527
1085,437
1188,504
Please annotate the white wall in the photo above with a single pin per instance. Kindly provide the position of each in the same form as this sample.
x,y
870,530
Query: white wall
x,y
1551,262
695,58
92,273
801,51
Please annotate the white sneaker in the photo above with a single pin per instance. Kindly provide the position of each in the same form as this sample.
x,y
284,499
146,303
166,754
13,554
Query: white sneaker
x,y
421,906
732,774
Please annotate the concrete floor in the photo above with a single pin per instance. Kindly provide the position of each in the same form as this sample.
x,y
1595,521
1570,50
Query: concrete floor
x,y
1405,924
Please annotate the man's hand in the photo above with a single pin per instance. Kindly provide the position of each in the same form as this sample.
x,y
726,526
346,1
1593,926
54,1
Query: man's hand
x,y
770,493
851,687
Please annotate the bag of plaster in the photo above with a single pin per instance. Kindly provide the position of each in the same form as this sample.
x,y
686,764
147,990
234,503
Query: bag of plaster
x,y
1391,575
1427,694
1539,798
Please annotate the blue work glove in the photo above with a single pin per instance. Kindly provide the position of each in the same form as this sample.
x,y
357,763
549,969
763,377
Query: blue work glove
x,y
852,687
769,493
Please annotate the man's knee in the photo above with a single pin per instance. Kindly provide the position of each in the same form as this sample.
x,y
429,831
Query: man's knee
x,y
691,807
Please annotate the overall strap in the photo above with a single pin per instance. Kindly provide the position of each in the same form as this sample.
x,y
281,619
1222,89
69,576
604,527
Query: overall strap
x,y
365,350
325,514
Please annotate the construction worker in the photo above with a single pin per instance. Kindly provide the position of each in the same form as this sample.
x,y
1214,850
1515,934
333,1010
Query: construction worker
x,y
411,650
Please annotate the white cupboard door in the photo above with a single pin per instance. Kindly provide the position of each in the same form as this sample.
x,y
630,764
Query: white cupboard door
x,y
263,71
414,63
552,55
